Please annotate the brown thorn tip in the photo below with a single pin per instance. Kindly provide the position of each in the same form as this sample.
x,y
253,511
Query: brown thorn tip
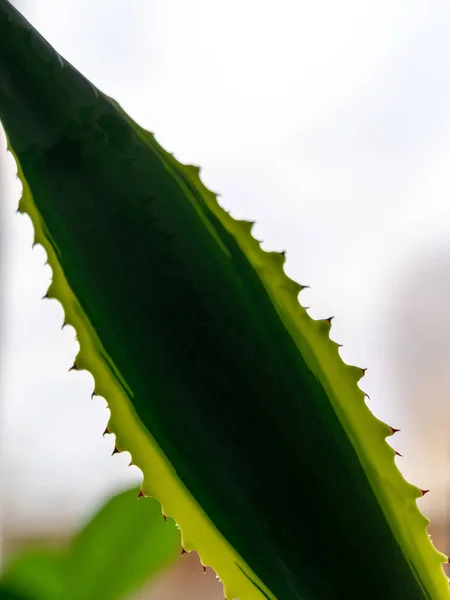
x,y
165,517
204,569
106,431
183,551
115,451
424,492
94,393
74,367
141,494
394,430
398,454
131,463
329,320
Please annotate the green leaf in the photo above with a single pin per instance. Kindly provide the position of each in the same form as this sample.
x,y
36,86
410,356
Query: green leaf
x,y
11,594
122,547
235,404
35,574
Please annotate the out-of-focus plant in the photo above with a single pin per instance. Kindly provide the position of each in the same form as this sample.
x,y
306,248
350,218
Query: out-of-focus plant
x,y
236,405
122,547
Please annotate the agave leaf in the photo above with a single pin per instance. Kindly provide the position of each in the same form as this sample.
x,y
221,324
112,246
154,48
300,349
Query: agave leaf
x,y
235,404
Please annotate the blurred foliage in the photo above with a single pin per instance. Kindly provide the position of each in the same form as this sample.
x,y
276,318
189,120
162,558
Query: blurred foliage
x,y
121,548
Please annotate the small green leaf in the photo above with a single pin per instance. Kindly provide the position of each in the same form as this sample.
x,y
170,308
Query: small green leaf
x,y
36,574
121,548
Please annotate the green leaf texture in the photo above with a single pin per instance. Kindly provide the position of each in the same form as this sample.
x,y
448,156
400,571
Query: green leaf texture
x,y
8,594
247,425
35,574
123,546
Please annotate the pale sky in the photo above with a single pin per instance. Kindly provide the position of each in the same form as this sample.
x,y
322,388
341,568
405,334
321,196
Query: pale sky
x,y
326,122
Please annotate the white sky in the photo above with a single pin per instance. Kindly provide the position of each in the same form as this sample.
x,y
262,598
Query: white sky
x,y
326,122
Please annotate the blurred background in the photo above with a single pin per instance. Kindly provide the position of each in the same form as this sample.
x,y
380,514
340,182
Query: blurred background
x,y
327,123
